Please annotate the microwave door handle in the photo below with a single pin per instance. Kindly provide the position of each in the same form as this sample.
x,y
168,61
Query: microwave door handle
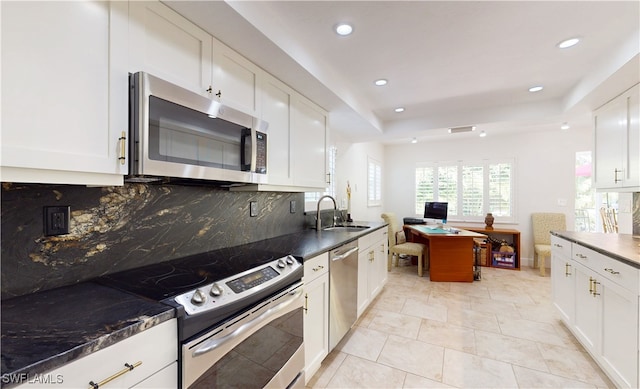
x,y
246,161
246,327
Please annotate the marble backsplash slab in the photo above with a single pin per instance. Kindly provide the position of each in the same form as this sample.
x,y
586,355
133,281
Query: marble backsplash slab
x,y
118,228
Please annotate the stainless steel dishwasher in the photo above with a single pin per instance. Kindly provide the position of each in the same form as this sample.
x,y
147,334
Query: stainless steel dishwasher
x,y
343,291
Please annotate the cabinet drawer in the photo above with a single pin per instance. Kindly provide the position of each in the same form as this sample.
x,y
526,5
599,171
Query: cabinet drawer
x,y
365,242
622,274
586,257
561,246
156,348
315,267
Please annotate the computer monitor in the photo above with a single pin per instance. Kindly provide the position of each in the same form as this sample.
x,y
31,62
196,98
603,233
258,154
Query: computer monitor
x,y
436,210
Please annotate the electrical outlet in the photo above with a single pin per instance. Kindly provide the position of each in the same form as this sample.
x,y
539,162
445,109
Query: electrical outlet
x,y
253,208
56,220
292,206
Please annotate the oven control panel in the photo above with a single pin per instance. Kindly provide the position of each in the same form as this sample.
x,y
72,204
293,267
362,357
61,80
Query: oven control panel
x,y
227,291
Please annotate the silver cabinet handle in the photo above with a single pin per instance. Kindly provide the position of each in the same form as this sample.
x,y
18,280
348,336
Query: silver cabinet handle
x,y
611,271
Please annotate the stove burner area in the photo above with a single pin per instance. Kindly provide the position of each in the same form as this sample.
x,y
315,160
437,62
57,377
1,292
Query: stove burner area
x,y
211,287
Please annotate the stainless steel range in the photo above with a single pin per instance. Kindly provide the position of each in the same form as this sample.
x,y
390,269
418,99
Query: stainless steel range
x,y
239,315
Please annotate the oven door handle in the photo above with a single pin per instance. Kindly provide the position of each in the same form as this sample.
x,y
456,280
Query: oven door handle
x,y
215,343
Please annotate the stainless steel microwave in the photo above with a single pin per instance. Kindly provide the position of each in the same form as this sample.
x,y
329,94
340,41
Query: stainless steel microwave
x,y
177,133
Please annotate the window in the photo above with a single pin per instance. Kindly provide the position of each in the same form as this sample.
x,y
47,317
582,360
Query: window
x,y
472,189
374,184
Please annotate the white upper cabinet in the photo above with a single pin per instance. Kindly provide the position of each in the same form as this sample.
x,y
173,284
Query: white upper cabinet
x,y
168,46
617,142
64,92
276,103
236,80
309,144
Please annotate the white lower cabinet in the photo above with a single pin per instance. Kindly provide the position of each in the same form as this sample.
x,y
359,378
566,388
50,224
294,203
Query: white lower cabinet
x,y
152,353
316,313
372,267
605,309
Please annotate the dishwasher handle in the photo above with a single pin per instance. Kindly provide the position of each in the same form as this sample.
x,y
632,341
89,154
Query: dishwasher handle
x,y
341,256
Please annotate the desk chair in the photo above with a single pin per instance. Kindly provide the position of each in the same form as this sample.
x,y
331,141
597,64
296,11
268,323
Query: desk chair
x,y
543,223
609,220
398,244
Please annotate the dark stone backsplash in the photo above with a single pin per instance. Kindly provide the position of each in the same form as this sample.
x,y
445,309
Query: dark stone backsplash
x,y
118,228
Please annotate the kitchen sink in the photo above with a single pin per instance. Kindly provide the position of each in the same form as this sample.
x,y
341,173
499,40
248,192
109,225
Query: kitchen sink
x,y
346,228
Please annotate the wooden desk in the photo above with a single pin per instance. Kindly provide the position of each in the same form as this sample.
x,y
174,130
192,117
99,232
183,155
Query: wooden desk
x,y
450,254
510,235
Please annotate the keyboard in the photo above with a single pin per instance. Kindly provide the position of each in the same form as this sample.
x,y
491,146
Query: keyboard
x,y
413,220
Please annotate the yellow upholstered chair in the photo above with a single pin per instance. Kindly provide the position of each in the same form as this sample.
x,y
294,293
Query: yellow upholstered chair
x,y
543,223
398,244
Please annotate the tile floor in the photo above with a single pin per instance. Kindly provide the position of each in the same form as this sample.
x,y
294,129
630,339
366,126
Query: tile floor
x,y
500,332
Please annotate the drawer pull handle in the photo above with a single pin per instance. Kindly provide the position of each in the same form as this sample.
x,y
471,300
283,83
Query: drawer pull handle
x,y
591,280
128,368
306,306
611,271
595,292
319,267
581,256
558,245
567,268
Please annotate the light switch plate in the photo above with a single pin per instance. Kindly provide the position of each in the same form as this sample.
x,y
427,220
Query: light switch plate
x,y
292,206
253,208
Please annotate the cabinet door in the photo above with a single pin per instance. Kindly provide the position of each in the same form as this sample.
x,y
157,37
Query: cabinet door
x,y
309,144
619,333
316,324
64,91
378,268
165,44
363,299
632,162
276,103
609,144
563,285
588,311
237,79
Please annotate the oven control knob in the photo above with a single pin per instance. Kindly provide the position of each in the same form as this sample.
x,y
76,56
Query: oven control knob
x,y
198,297
289,261
281,263
216,290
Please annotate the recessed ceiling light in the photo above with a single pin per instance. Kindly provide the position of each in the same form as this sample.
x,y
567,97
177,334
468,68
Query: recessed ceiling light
x,y
565,126
568,43
536,88
344,29
381,82
414,140
483,134
399,109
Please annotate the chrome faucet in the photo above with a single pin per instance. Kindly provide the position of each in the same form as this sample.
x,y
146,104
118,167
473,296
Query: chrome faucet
x,y
318,218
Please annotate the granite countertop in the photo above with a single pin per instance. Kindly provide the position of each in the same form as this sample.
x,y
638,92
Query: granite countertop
x,y
309,243
45,330
623,247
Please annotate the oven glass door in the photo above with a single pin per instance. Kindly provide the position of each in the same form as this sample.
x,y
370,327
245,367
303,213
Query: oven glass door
x,y
251,350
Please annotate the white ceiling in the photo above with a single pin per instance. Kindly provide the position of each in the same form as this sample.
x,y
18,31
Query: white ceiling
x,y
449,63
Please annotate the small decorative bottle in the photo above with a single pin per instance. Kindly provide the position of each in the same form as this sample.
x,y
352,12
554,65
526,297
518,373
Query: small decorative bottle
x,y
488,220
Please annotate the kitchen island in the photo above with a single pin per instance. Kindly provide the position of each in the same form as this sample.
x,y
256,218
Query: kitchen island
x,y
596,288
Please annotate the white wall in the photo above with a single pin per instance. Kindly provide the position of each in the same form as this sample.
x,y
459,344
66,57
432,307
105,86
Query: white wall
x,y
544,174
351,165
